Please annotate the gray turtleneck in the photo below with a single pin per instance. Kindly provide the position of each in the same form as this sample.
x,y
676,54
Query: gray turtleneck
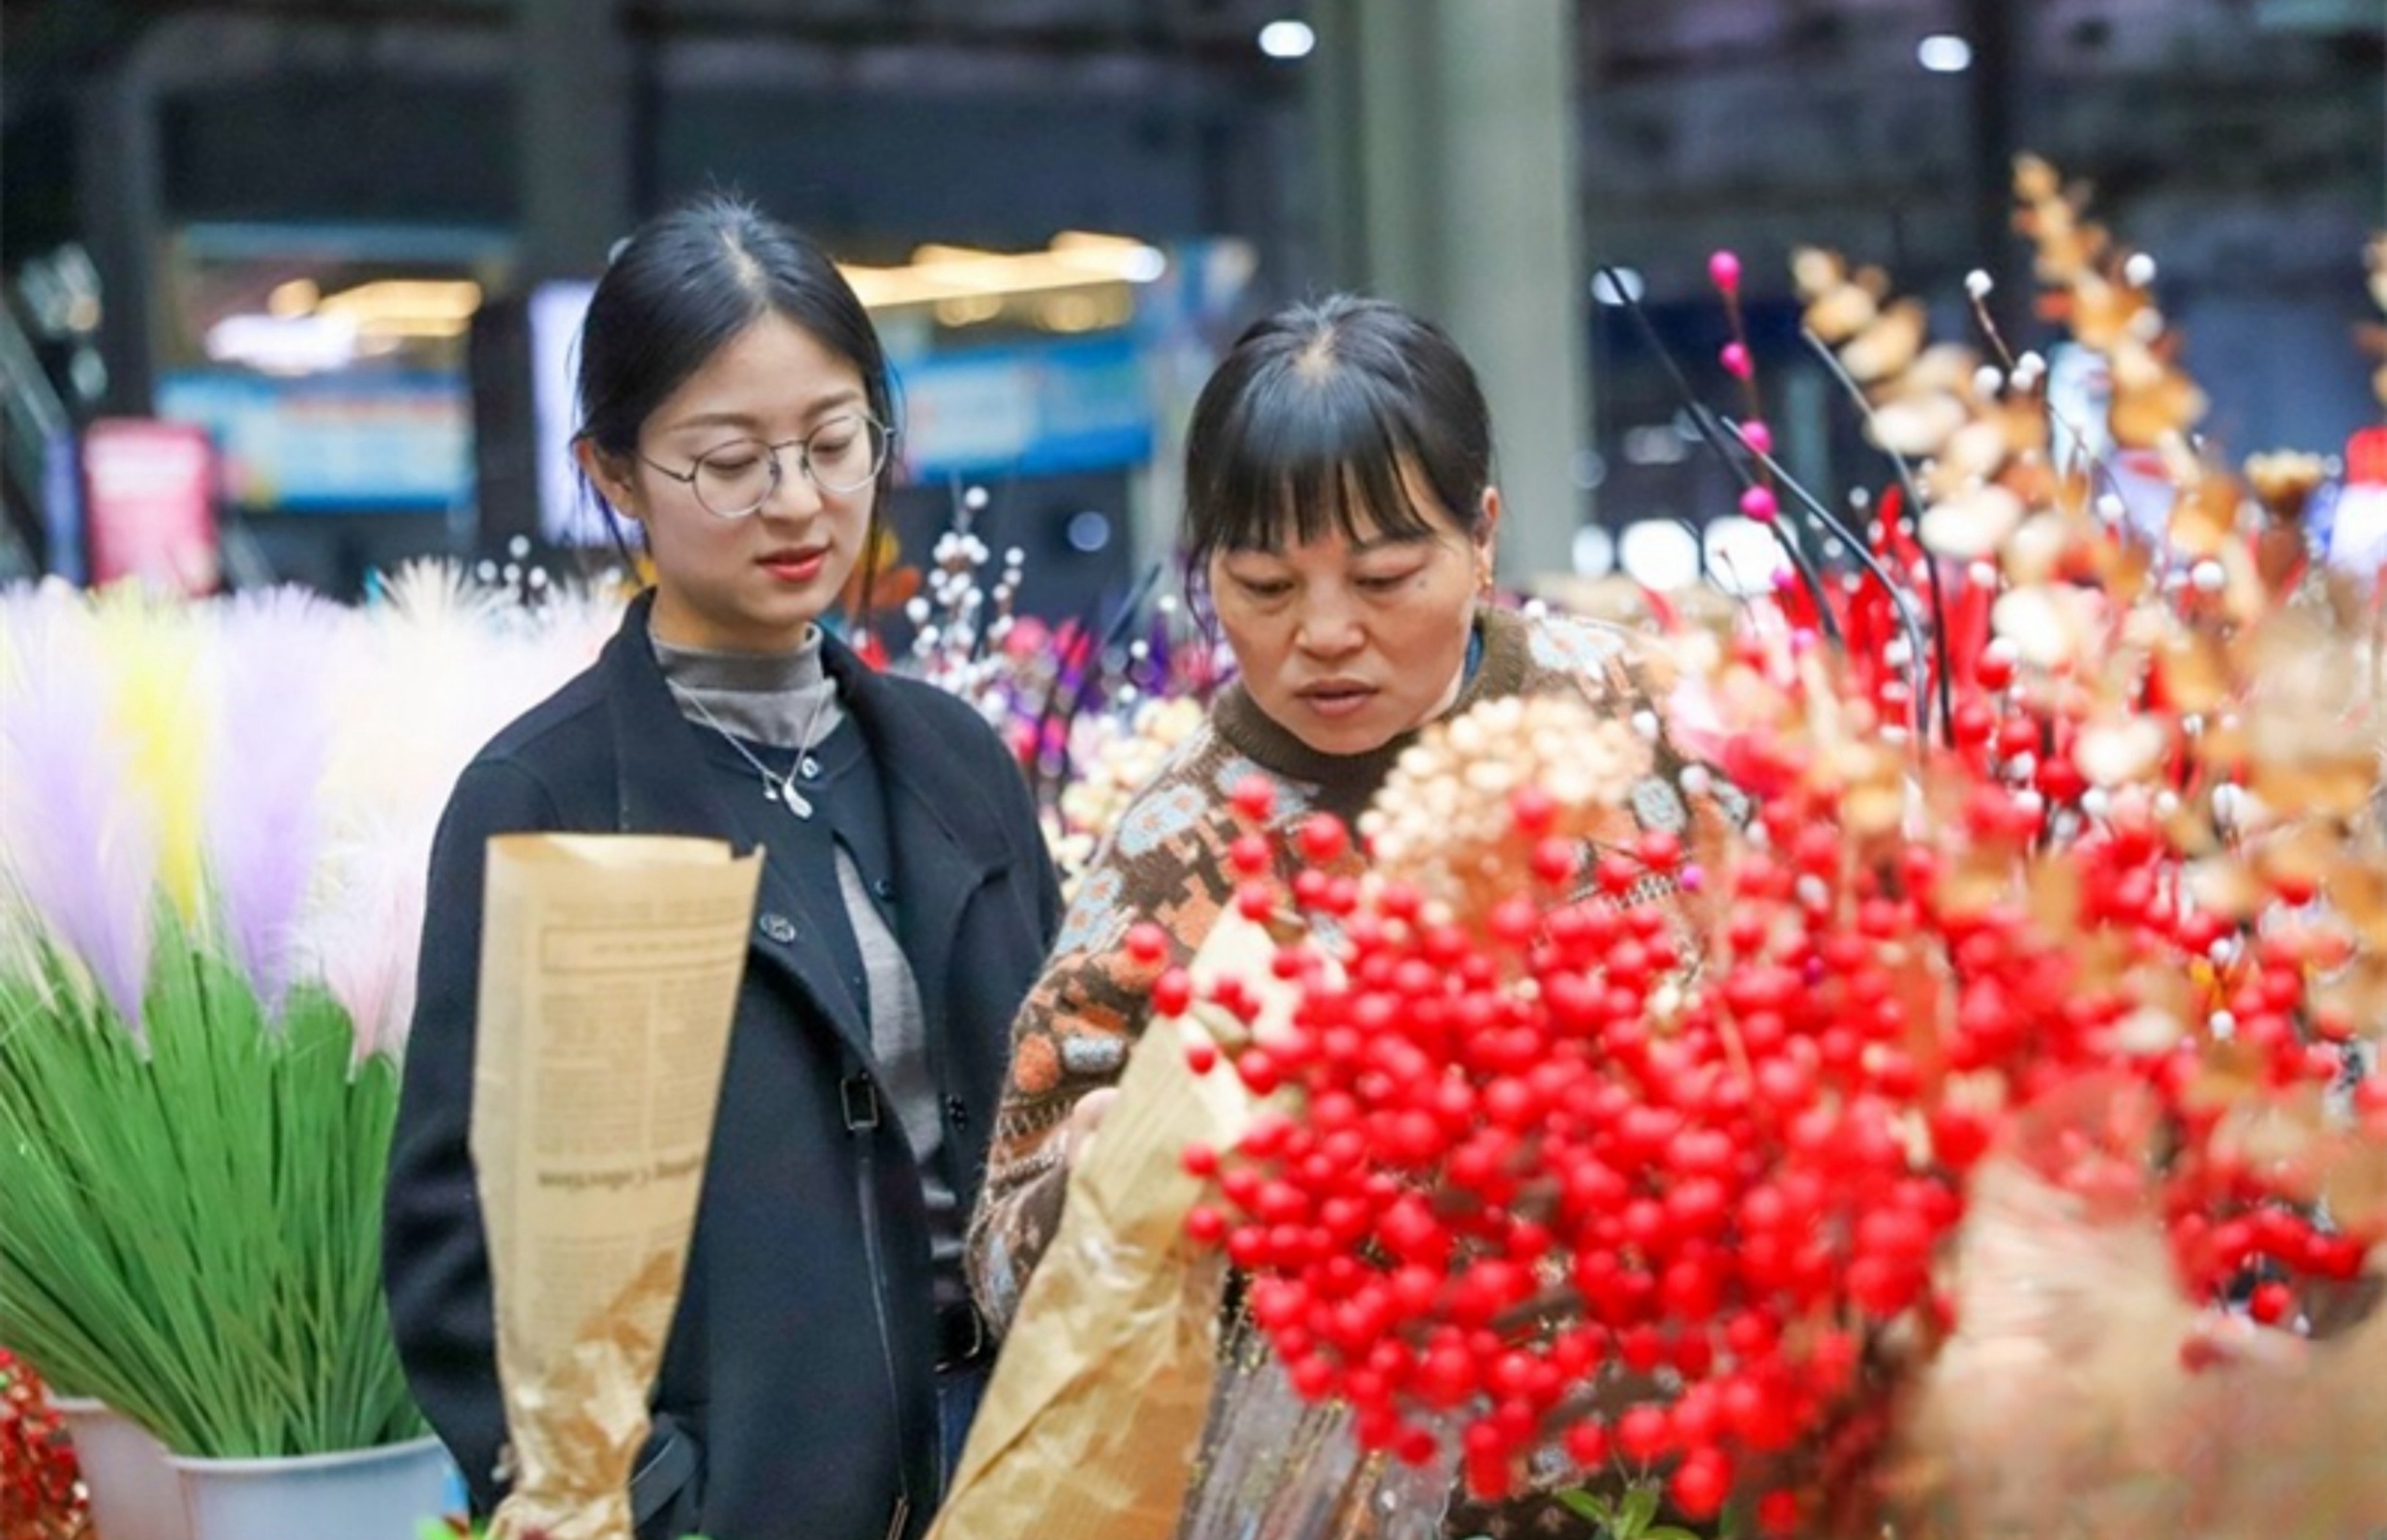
x,y
787,701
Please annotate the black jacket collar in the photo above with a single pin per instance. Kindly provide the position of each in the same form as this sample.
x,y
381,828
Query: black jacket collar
x,y
662,788
946,828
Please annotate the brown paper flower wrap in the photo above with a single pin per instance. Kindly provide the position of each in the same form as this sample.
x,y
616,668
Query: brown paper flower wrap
x,y
1090,1425
609,982
576,1425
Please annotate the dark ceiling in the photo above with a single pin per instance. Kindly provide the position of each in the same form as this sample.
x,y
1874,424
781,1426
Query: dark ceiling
x,y
44,43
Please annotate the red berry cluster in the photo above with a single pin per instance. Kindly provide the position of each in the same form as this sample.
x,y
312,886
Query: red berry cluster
x,y
2031,1008
41,1488
1586,1171
1527,1165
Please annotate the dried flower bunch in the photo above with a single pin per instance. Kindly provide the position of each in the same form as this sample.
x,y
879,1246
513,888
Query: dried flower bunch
x,y
1443,824
1979,434
212,858
961,622
1090,711
2103,295
1634,1156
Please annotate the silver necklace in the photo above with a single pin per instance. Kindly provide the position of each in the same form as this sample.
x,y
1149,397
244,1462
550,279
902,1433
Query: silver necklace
x,y
778,789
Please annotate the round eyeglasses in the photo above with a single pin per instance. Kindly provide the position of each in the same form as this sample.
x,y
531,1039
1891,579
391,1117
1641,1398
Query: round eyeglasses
x,y
841,454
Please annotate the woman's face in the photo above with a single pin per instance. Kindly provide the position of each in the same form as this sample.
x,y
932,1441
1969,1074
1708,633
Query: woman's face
x,y
1349,643
751,584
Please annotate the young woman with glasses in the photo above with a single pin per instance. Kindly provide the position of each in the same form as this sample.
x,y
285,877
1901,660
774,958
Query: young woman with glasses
x,y
826,1359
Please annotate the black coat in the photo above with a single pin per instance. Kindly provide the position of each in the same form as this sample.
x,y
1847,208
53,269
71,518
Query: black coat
x,y
797,1398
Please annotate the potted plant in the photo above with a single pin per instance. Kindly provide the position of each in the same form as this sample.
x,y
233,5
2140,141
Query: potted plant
x,y
197,1053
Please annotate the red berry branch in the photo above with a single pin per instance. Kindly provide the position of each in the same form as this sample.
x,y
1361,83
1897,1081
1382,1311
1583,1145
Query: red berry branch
x,y
41,1488
1560,1166
1646,1152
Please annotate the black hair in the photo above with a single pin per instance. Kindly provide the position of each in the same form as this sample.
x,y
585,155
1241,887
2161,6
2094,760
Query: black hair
x,y
1312,418
690,281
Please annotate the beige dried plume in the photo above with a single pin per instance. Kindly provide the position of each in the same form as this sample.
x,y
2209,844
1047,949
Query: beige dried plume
x,y
1443,824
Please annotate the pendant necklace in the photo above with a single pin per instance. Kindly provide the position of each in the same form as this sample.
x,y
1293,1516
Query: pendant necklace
x,y
778,789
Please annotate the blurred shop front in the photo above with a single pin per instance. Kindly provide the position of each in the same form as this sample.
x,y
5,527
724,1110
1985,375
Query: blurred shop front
x,y
1035,389
349,245
327,365
376,393
350,241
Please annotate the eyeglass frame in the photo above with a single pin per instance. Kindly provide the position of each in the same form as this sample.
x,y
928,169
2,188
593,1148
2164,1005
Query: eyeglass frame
x,y
779,476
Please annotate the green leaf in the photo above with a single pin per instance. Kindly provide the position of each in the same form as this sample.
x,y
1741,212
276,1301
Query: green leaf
x,y
1586,1505
1635,1513
1670,1531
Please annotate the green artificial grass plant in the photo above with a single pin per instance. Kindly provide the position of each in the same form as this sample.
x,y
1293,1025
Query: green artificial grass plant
x,y
190,1208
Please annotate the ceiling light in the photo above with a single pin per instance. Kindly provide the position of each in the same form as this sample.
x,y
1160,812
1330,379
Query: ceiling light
x,y
406,307
1594,551
1111,256
1743,555
283,345
1944,53
1287,40
297,297
1660,554
968,310
971,278
1618,286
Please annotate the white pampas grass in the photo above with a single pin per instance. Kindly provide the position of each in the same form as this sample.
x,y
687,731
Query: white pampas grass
x,y
424,680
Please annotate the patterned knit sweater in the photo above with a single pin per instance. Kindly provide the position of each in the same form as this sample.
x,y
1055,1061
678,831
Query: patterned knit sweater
x,y
1166,862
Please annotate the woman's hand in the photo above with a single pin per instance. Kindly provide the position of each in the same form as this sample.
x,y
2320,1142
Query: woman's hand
x,y
1084,1119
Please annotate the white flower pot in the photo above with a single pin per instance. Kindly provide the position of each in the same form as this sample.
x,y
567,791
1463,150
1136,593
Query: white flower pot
x,y
379,1493
135,1494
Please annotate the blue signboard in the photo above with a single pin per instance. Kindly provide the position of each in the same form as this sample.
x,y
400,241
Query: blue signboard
x,y
364,440
1080,404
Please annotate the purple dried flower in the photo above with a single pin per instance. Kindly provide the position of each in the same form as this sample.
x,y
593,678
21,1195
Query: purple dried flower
x,y
77,846
271,748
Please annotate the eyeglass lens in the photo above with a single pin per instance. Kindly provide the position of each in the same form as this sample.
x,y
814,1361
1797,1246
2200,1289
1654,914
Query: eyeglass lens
x,y
841,455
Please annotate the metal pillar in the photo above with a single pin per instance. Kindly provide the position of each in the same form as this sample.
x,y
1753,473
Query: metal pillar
x,y
571,136
121,206
1992,86
1448,183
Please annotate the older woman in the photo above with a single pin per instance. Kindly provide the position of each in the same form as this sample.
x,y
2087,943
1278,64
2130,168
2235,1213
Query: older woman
x,y
1341,521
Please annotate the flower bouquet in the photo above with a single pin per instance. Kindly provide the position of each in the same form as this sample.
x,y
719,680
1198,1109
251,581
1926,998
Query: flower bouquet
x,y
1092,1417
1971,1127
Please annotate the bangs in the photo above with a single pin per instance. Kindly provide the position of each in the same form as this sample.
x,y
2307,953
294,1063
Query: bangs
x,y
1305,457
